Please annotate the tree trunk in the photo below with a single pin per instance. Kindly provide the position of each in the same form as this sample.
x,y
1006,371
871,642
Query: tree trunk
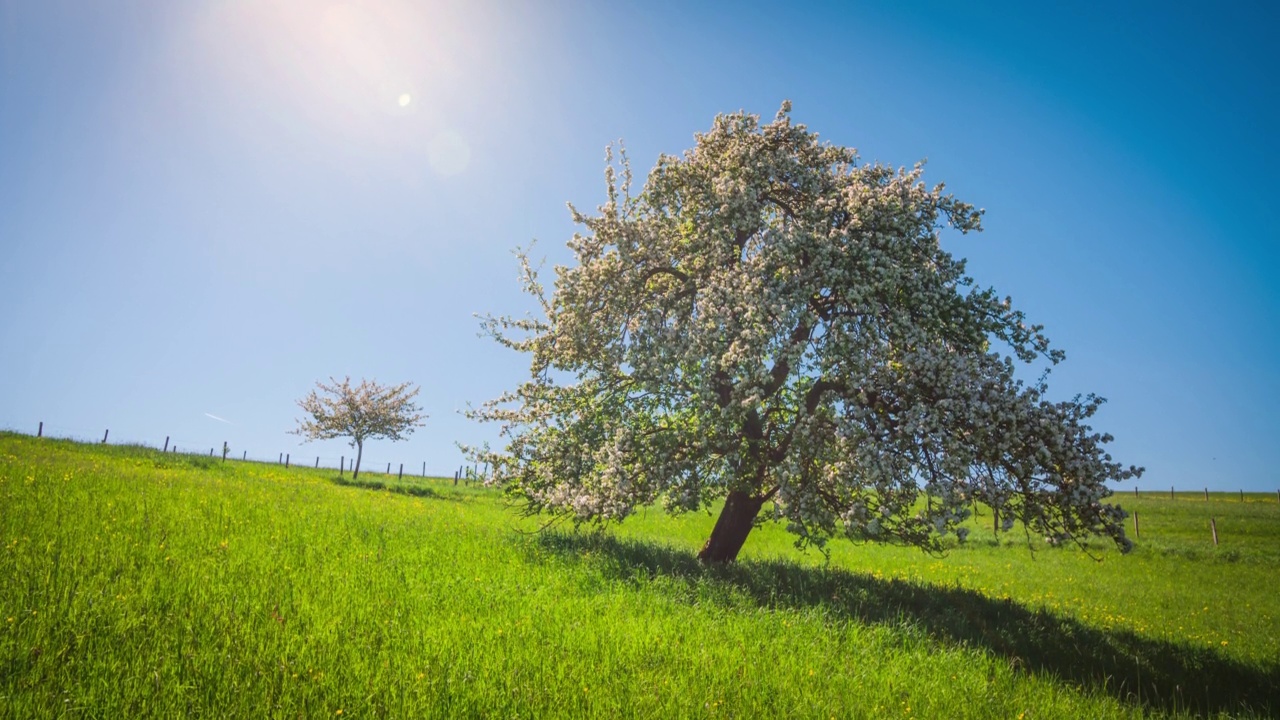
x,y
732,527
359,454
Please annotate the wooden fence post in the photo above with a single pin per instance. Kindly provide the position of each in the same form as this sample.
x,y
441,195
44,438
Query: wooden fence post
x,y
1135,491
280,459
166,444
210,452
1206,494
245,455
286,461
424,468
401,472
1136,532
1213,525
388,468
40,430
342,465
1170,492
317,462
1241,494
104,436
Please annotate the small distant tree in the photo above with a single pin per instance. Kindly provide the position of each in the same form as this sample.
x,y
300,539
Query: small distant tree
x,y
773,324
368,411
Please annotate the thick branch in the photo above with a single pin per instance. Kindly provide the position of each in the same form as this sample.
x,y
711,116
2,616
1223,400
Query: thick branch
x,y
782,368
724,388
811,401
652,272
814,396
740,243
786,208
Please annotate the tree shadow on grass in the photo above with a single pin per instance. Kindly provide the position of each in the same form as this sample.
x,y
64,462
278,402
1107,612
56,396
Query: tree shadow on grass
x,y
414,490
1153,674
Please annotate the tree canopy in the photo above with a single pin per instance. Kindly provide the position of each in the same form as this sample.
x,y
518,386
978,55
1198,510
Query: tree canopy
x,y
364,412
773,322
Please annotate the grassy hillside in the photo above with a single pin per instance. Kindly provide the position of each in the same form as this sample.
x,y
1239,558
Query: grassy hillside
x,y
136,583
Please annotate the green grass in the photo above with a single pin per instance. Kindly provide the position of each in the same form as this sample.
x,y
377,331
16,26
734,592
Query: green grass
x,y
137,583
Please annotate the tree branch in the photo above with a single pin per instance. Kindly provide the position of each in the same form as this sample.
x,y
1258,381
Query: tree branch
x,y
811,401
782,368
814,396
786,208
723,387
652,272
769,495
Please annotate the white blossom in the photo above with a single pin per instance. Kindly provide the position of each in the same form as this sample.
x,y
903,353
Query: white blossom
x,y
366,411
773,319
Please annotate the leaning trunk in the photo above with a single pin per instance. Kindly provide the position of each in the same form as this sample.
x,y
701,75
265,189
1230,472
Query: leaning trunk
x,y
734,524
359,453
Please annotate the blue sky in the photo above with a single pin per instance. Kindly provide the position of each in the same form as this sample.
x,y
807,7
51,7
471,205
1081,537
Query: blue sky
x,y
206,207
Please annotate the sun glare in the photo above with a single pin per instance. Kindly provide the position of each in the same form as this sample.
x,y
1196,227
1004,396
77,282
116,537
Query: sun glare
x,y
388,75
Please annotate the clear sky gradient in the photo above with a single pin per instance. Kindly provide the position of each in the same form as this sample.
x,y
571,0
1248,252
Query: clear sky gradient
x,y
205,207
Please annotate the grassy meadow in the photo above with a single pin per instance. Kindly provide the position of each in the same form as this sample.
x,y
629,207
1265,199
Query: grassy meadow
x,y
138,583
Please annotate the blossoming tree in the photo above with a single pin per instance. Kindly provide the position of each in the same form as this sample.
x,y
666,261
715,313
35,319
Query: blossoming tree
x,y
364,412
773,323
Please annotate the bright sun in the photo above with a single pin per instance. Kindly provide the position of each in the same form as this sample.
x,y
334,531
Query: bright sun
x,y
387,76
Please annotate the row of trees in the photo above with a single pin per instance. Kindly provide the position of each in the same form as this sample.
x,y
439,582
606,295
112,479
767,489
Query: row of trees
x,y
772,325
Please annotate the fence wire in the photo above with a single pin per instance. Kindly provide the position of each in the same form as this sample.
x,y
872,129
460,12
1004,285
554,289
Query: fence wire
x,y
214,449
